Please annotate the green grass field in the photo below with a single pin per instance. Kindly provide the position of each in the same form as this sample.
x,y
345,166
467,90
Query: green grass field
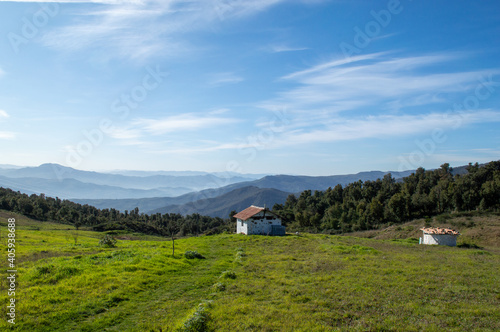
x,y
66,282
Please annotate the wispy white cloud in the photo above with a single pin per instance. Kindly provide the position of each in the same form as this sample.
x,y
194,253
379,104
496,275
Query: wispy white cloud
x,y
165,135
183,122
384,126
376,79
278,48
219,79
139,132
331,64
124,133
219,111
199,148
144,28
7,135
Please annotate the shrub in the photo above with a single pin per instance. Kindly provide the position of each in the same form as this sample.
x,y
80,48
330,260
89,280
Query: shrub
x,y
468,245
197,322
46,269
228,275
219,287
108,241
193,254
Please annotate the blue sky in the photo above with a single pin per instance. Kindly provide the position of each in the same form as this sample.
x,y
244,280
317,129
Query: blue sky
x,y
267,86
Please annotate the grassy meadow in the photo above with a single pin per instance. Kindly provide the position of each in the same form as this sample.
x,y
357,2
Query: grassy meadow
x,y
67,282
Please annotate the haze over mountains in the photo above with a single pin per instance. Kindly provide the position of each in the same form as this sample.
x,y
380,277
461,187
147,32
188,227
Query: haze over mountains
x,y
212,194
65,182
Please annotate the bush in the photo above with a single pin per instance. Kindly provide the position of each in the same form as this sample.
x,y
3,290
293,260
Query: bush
x,y
219,287
193,254
108,241
197,322
228,275
468,245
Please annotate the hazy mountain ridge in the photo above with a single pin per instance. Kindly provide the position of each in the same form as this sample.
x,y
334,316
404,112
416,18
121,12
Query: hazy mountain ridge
x,y
56,181
222,205
69,188
283,183
52,180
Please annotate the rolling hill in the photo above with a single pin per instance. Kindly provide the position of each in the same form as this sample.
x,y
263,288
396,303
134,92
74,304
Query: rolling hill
x,y
222,205
304,282
281,183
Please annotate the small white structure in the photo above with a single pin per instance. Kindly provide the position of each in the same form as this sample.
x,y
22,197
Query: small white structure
x,y
439,236
256,220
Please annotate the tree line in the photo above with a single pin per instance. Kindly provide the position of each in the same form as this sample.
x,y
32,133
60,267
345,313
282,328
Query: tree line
x,y
366,205
43,208
357,206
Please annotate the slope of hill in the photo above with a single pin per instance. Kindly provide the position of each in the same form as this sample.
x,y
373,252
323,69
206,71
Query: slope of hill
x,y
222,205
152,191
147,205
247,283
299,183
284,183
476,228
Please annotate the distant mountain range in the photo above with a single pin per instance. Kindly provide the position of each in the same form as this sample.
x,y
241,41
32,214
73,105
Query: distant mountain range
x,y
221,206
66,182
218,197
212,194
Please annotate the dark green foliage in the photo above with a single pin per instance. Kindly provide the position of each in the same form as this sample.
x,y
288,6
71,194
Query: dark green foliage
x,y
44,208
355,207
468,245
219,287
366,205
107,241
193,254
197,322
228,275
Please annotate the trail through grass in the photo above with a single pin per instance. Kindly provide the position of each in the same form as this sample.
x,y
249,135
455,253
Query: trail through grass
x,y
248,283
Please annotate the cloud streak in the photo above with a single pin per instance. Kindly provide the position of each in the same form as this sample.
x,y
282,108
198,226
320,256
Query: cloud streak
x,y
386,126
362,81
147,28
139,131
225,78
279,48
180,123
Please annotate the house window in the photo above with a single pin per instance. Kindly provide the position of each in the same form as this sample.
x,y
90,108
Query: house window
x,y
242,223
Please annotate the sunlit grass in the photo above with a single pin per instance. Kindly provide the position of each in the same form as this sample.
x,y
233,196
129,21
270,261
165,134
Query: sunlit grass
x,y
253,283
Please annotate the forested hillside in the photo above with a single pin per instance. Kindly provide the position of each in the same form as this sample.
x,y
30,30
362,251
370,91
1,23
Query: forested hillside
x,y
357,206
365,205
45,208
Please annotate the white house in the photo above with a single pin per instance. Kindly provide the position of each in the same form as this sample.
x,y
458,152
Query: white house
x,y
256,220
440,236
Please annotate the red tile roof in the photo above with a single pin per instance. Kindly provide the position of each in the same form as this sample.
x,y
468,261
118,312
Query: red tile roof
x,y
248,212
440,231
